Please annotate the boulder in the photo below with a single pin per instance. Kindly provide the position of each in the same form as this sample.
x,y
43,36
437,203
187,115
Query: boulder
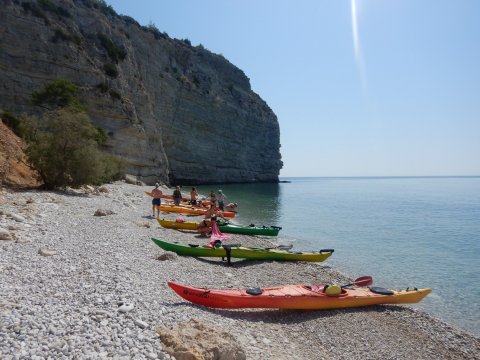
x,y
102,212
5,234
194,339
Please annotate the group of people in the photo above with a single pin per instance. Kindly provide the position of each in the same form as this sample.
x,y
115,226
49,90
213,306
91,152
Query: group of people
x,y
211,215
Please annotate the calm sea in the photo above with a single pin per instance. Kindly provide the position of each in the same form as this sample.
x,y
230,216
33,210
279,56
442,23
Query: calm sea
x,y
405,232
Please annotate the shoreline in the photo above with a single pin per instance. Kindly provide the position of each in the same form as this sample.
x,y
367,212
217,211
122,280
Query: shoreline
x,y
66,304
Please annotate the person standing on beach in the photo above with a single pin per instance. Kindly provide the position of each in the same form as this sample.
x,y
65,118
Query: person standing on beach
x,y
213,197
221,199
156,194
177,196
193,196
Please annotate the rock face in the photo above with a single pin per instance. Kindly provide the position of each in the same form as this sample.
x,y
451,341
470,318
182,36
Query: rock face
x,y
14,169
176,113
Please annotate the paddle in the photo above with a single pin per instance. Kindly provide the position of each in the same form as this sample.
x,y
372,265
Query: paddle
x,y
361,281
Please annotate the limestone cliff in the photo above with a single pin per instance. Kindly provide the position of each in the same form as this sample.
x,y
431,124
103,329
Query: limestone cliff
x,y
175,112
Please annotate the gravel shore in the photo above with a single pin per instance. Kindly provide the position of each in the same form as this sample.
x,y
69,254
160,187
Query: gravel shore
x,y
69,280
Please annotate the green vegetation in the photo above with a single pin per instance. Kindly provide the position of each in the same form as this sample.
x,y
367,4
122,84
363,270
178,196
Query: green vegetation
x,y
61,35
129,20
152,28
105,8
11,121
47,5
111,70
114,51
58,93
115,94
38,9
103,87
63,145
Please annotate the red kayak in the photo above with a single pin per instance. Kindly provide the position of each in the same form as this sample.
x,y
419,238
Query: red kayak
x,y
299,297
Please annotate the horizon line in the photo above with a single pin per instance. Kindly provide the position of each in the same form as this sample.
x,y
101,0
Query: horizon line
x,y
377,176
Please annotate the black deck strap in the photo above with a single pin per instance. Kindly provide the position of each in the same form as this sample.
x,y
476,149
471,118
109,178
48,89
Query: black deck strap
x,y
284,247
380,290
276,227
251,225
193,245
327,250
411,289
254,291
228,251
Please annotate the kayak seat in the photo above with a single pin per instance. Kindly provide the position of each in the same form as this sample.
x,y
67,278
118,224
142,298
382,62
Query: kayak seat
x,y
321,290
254,291
326,250
380,290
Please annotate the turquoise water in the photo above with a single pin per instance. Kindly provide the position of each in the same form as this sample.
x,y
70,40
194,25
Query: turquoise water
x,y
422,232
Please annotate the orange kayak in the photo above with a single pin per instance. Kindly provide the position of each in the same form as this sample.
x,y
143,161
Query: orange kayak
x,y
190,210
300,297
170,197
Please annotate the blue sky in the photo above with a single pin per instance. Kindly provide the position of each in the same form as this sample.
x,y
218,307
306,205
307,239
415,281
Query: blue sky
x,y
360,87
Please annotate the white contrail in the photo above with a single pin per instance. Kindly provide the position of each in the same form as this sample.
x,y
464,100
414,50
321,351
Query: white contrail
x,y
356,46
356,43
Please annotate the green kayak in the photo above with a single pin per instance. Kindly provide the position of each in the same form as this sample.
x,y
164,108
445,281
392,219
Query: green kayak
x,y
248,230
238,251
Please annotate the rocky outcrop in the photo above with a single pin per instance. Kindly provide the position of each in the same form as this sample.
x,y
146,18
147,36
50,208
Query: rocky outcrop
x,y
14,169
176,113
196,340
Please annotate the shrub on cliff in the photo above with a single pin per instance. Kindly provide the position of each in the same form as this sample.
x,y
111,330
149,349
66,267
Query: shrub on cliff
x,y
11,121
58,93
114,51
63,147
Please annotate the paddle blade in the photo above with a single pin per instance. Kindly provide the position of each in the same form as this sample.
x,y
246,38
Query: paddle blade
x,y
363,281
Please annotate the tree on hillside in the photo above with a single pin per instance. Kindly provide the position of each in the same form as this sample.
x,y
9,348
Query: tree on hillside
x,y
58,93
62,146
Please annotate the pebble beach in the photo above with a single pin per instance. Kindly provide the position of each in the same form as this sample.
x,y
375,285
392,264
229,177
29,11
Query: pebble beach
x,y
76,285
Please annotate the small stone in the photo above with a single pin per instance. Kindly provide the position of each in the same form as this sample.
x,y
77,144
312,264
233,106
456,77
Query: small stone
x,y
5,234
17,217
266,341
125,308
101,312
102,212
141,324
46,252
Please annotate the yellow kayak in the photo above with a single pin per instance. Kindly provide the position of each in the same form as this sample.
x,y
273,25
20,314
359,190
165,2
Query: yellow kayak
x,y
172,224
